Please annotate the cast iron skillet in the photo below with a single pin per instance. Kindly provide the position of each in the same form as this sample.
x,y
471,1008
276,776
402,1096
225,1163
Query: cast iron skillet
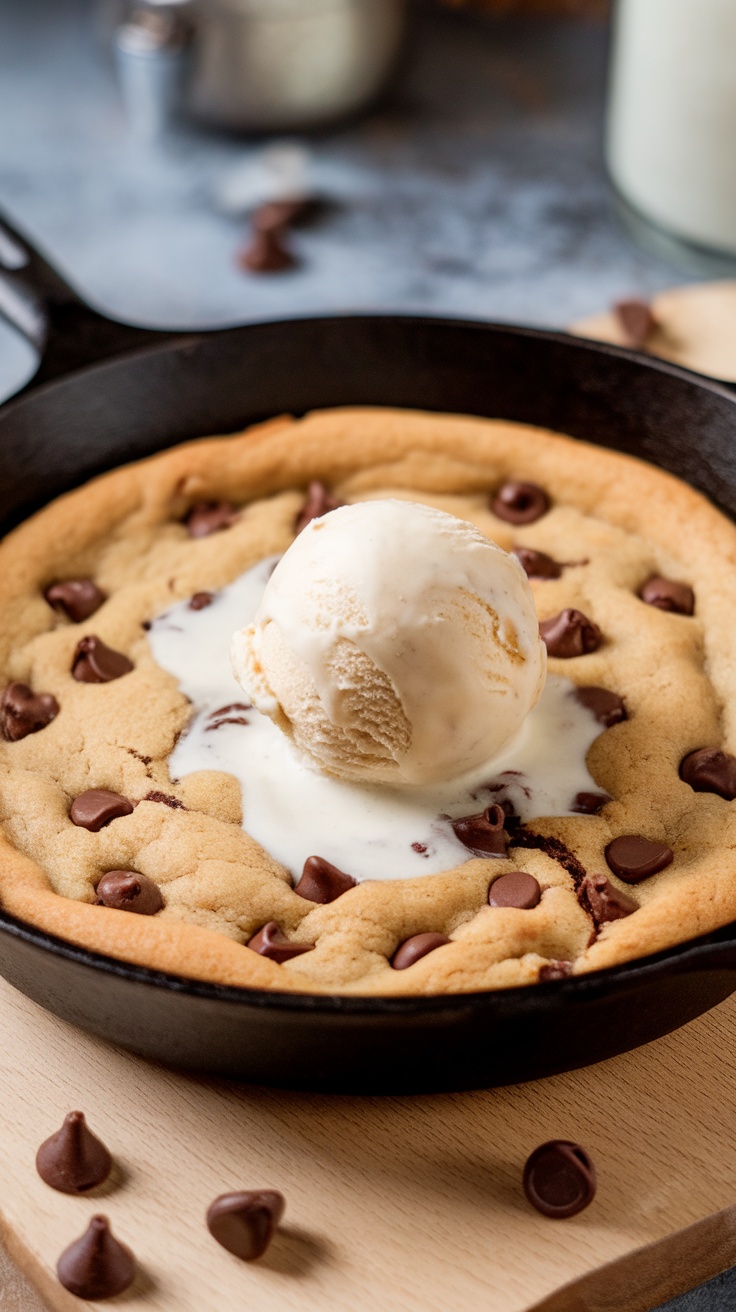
x,y
74,422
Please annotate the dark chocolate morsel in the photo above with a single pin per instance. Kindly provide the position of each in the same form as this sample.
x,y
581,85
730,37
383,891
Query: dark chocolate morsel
x,y
607,707
570,634
668,594
244,1223
634,858
709,770
559,1178
636,320
128,890
73,1160
553,970
322,882
319,501
589,803
22,711
200,600
520,503
483,834
416,947
537,564
95,662
207,517
96,1265
517,889
97,807
272,942
75,598
266,252
598,896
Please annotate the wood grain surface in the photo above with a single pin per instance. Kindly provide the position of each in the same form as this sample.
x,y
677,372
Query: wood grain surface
x,y
397,1204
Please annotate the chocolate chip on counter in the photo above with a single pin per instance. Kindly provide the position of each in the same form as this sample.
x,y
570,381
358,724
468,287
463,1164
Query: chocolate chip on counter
x,y
22,711
271,942
128,890
73,1160
416,947
322,882
517,889
206,517
244,1222
553,970
607,707
483,834
668,594
96,1265
275,215
266,252
75,598
200,600
709,770
97,807
598,896
636,320
520,503
537,564
570,634
319,501
589,803
95,662
634,858
559,1178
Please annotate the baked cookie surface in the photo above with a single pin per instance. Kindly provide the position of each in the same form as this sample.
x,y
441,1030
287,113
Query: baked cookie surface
x,y
190,521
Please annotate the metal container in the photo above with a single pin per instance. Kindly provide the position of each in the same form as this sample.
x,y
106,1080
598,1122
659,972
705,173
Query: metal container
x,y
290,64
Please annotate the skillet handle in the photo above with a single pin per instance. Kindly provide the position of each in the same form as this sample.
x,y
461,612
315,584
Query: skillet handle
x,y
66,333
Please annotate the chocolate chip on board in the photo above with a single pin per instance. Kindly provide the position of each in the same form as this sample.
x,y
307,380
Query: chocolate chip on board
x,y
634,858
669,595
96,1265
73,1160
559,1178
483,834
128,890
22,711
607,707
97,807
416,947
520,503
244,1222
516,889
322,882
75,598
598,896
709,770
537,564
319,501
570,634
95,662
206,517
272,942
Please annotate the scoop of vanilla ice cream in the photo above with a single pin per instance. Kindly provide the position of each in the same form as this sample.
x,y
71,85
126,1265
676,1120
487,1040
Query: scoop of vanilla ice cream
x,y
394,644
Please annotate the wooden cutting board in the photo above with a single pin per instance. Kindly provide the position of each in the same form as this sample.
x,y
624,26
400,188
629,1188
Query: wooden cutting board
x,y
397,1204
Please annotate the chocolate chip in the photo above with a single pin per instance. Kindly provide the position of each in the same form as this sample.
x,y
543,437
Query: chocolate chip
x,y
559,1178
271,942
97,1265
517,889
73,1160
23,711
668,594
266,253
589,803
483,834
554,970
200,600
275,215
416,947
319,501
95,662
607,707
244,1223
206,517
520,503
97,807
322,882
554,848
709,770
75,598
636,320
537,564
634,858
570,634
128,890
598,896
